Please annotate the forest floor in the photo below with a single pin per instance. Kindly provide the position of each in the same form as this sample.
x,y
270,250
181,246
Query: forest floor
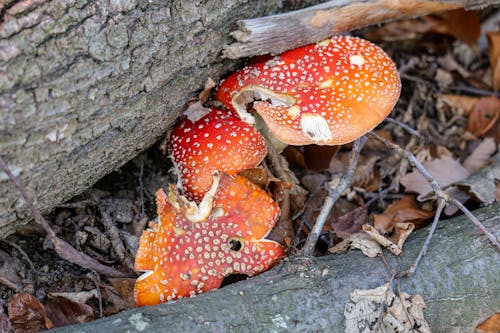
x,y
448,116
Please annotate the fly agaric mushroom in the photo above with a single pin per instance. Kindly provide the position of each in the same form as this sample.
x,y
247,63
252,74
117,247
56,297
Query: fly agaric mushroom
x,y
183,256
328,93
217,141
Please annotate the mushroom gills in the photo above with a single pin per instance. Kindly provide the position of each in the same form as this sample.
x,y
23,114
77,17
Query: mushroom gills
x,y
252,93
315,127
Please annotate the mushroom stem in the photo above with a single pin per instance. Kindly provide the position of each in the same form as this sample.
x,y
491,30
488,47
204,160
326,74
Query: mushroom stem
x,y
336,187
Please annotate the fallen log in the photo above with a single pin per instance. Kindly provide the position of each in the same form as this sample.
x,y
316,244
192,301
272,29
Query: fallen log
x,y
458,279
278,33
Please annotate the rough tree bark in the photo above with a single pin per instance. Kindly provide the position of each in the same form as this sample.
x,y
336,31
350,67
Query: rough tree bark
x,y
458,279
86,85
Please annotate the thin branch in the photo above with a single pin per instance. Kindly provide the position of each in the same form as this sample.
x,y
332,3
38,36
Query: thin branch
x,y
63,249
435,186
334,192
404,126
423,251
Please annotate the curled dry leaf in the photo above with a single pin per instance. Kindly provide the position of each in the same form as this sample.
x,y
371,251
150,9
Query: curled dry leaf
x,y
360,241
481,155
77,297
10,267
380,310
460,102
445,171
27,314
459,23
62,312
394,243
404,210
484,115
494,55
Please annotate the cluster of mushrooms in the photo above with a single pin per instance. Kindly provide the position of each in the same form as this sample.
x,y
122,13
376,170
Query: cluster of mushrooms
x,y
329,93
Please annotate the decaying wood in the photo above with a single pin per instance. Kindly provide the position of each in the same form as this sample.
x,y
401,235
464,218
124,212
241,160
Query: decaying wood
x,y
278,33
458,279
86,85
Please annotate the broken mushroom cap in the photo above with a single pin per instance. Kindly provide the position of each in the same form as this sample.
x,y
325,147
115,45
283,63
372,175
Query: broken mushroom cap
x,y
217,141
328,93
183,257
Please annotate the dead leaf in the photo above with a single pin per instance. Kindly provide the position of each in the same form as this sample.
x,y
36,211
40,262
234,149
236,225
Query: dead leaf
x,y
459,23
494,55
366,175
404,210
445,171
360,241
27,314
465,103
125,287
9,271
258,176
350,223
380,310
77,297
490,325
62,312
481,155
283,231
484,115
394,245
482,184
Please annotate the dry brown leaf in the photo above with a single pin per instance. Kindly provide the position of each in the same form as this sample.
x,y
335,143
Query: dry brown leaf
x,y
484,115
394,245
459,23
465,103
350,223
283,231
360,241
490,325
258,176
10,267
27,314
125,287
481,155
445,171
380,310
62,312
404,210
77,297
494,55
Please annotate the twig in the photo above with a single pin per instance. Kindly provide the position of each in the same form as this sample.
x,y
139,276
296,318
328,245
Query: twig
x,y
63,249
334,193
404,126
435,186
413,267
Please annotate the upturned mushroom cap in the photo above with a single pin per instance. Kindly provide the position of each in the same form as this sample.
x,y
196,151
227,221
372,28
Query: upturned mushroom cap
x,y
184,258
327,93
217,141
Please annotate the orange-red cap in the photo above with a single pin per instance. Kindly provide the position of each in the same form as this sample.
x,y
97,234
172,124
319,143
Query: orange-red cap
x,y
183,257
217,141
327,93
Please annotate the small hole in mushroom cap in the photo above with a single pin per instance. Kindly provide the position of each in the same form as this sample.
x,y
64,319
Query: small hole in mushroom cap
x,y
235,243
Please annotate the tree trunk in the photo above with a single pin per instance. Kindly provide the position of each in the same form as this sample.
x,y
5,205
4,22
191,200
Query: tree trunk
x,y
86,85
458,279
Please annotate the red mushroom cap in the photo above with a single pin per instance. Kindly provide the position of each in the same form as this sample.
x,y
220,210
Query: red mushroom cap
x,y
217,141
184,258
327,93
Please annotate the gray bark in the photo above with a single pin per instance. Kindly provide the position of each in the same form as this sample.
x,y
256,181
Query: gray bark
x,y
86,85
458,279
